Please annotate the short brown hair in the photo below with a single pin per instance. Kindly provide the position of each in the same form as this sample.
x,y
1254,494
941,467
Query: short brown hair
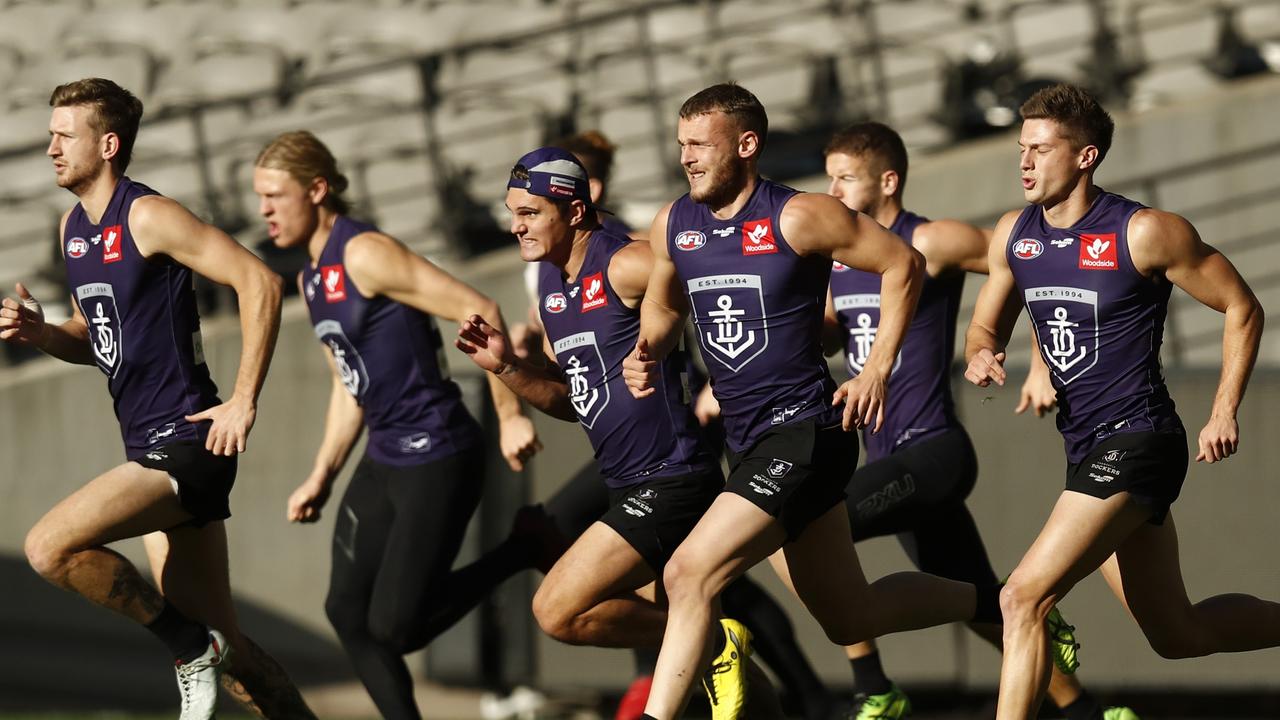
x,y
876,141
116,110
1080,117
305,158
594,151
733,100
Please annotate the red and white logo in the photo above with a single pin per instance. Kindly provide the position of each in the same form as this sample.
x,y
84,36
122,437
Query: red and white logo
x,y
1098,252
77,247
555,303
111,244
757,237
690,240
1028,249
838,266
593,295
593,292
335,283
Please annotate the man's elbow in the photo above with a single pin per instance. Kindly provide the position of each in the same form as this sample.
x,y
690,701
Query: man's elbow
x,y
918,264
1255,316
271,286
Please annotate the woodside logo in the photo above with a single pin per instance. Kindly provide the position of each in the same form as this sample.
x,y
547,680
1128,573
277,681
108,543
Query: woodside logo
x,y
1098,252
757,237
593,294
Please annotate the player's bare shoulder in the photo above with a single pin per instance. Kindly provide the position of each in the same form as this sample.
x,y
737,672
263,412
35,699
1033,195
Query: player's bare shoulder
x,y
1159,239
629,270
367,249
817,223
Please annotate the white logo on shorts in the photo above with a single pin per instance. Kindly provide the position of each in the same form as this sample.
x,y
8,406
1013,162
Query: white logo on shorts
x,y
779,468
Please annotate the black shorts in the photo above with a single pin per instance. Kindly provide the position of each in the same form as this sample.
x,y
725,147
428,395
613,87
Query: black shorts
x,y
1150,466
203,480
795,472
655,516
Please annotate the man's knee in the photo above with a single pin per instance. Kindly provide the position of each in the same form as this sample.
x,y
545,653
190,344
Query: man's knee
x,y
1024,602
555,616
1173,640
398,631
686,576
47,557
348,617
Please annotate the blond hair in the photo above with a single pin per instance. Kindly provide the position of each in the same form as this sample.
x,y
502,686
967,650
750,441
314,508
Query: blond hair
x,y
305,158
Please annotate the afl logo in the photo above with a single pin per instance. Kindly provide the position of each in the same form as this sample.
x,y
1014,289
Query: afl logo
x,y
555,303
77,247
1028,249
690,240
838,267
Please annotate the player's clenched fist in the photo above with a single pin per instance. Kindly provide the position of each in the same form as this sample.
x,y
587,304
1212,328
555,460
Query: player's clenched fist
x,y
985,367
640,371
21,320
485,345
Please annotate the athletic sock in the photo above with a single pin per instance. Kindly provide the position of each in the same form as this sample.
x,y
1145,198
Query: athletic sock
x,y
186,639
1085,707
868,675
987,607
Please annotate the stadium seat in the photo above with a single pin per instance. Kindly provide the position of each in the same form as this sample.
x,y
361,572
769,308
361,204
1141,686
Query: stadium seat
x,y
26,127
1167,82
936,24
393,32
28,242
1176,31
162,32
1053,39
296,33
1259,21
914,81
25,175
257,72
33,28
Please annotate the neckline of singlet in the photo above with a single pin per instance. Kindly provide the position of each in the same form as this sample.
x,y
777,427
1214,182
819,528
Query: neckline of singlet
x,y
1094,207
314,265
738,216
591,246
115,194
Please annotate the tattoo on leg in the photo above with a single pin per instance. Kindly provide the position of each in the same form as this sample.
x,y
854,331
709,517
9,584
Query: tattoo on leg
x,y
108,579
236,690
263,687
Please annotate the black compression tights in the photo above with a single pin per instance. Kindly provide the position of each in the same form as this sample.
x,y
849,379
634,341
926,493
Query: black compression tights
x,y
918,494
396,536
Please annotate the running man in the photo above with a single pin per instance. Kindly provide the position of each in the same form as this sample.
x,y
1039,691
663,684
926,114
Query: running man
x,y
130,256
540,534
921,466
604,590
403,516
755,258
1094,271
